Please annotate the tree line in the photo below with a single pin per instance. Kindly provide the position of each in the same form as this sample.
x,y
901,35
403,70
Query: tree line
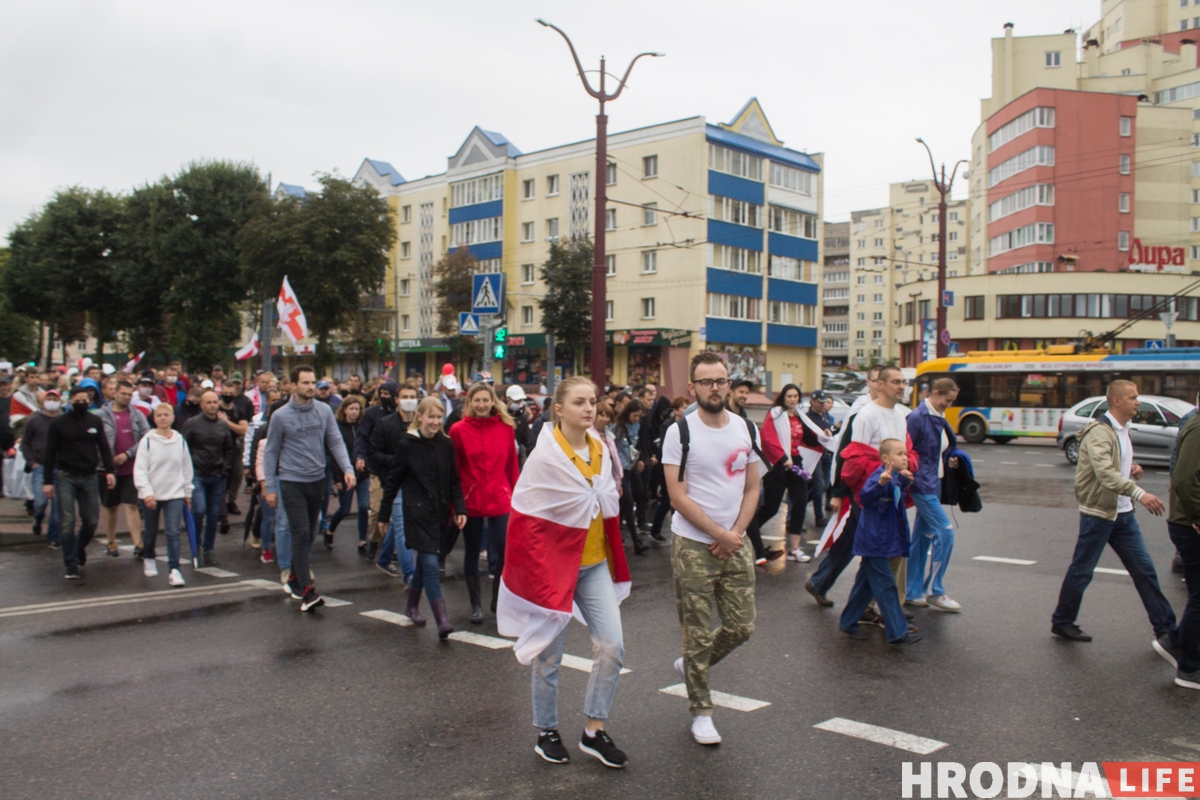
x,y
176,266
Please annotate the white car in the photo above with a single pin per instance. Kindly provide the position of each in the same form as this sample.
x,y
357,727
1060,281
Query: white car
x,y
1152,431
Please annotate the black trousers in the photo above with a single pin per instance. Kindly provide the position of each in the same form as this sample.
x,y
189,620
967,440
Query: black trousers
x,y
779,481
302,503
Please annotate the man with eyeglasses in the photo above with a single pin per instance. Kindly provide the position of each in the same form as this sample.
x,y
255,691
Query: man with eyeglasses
x,y
714,494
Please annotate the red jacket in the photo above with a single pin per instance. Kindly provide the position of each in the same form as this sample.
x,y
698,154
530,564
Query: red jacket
x,y
486,450
861,460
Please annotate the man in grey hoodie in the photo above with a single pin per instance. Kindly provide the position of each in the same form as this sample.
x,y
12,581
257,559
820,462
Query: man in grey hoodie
x,y
294,467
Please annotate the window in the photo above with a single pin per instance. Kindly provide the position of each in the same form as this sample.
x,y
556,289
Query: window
x,y
552,228
527,189
878,243
527,231
791,269
610,174
734,307
793,223
1123,202
551,185
862,262
879,280
404,326
722,256
610,264
836,327
1041,194
1123,241
647,308
877,317
405,287
1126,126
733,162
860,298
608,310
650,214
477,190
1124,165
1053,58
527,273
406,214
1036,233
795,180
650,167
526,315
836,294
1196,195
475,232
406,249
782,313
877,298
610,219
861,243
649,262
879,224
860,316
860,336
1037,156
953,216
1040,117
1195,252
735,211
952,256
861,280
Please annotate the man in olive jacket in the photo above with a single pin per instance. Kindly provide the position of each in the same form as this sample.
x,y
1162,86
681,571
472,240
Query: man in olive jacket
x,y
1106,490
1183,523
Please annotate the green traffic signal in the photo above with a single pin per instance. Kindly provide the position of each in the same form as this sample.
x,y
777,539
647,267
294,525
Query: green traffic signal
x,y
499,351
501,335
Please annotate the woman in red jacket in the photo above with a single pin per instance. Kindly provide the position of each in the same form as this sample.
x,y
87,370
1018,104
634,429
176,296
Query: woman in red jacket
x,y
486,448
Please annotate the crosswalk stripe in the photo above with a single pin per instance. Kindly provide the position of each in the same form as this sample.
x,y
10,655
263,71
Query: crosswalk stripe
x,y
217,572
123,599
490,642
873,733
389,616
583,664
1111,571
333,602
720,699
1020,562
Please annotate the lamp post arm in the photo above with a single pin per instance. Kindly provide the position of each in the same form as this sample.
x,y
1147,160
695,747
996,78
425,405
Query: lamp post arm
x,y
932,166
628,70
578,65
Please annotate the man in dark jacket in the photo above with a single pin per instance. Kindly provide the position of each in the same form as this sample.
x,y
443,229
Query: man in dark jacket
x,y
1183,524
213,458
190,407
33,447
384,456
362,451
75,447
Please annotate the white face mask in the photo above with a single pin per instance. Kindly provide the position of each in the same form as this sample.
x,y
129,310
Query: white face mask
x,y
145,391
51,405
408,404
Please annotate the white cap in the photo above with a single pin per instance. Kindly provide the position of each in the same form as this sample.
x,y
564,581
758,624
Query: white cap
x,y
108,369
515,393
206,384
450,383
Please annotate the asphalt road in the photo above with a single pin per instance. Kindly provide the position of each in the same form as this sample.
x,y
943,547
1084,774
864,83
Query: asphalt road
x,y
225,689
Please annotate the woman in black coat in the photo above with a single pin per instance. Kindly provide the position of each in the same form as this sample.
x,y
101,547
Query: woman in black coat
x,y
426,473
348,415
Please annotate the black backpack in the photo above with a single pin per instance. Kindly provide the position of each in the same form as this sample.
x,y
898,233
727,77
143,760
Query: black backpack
x,y
685,441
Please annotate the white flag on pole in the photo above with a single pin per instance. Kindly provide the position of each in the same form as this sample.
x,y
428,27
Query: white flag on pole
x,y
250,350
291,316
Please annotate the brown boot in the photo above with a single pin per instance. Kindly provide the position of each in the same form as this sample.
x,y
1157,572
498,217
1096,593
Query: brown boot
x,y
439,615
411,610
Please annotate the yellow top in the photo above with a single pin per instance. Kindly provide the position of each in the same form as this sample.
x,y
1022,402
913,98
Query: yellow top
x,y
595,547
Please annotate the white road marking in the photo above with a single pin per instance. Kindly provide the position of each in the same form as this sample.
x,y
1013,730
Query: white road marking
x,y
1110,571
1011,463
583,664
333,602
720,699
123,599
979,461
217,572
1043,465
873,733
773,538
128,548
490,642
389,616
1020,562
263,583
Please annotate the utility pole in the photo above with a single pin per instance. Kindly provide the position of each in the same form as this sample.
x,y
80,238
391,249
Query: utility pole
x,y
943,186
599,351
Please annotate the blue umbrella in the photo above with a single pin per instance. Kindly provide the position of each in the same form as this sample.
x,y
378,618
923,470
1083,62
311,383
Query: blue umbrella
x,y
190,522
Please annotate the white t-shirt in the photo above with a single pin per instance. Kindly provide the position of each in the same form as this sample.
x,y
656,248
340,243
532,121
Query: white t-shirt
x,y
1123,503
876,423
715,471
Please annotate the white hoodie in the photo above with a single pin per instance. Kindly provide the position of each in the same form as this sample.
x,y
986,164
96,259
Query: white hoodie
x,y
163,467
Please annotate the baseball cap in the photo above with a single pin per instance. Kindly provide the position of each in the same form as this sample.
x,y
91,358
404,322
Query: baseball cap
x,y
322,384
743,382
52,392
218,367
515,393
108,369
236,376
207,384
482,377
450,383
820,395
145,379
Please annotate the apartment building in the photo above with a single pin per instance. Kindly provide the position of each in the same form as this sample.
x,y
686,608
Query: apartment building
x,y
835,295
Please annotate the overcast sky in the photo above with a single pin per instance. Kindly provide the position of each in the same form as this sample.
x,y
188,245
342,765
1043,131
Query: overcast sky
x,y
115,94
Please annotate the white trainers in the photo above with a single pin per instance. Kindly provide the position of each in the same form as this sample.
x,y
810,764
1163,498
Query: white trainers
x,y
918,602
679,668
943,602
799,555
284,574
703,730
149,568
176,578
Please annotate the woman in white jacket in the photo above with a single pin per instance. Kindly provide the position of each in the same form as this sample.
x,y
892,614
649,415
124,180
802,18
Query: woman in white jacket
x,y
162,473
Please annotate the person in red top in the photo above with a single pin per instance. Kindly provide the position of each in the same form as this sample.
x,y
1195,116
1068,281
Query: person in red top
x,y
782,437
485,446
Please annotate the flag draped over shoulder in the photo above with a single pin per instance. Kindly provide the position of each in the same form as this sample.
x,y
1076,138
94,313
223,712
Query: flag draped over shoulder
x,y
552,507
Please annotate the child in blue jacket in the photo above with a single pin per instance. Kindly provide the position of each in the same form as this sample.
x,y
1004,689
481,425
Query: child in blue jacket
x,y
882,534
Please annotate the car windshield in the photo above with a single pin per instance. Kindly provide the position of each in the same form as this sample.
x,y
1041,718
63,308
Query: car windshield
x,y
1175,406
1086,409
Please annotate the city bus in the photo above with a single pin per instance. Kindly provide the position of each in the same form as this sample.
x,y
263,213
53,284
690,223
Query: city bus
x,y
1006,394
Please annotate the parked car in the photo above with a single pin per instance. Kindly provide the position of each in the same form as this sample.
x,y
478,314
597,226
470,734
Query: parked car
x,y
1152,431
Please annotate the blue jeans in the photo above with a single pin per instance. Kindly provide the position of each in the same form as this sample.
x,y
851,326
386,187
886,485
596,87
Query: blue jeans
x,y
395,541
362,491
1187,542
208,503
425,576
875,579
283,540
597,600
1125,538
172,514
266,528
69,490
819,486
38,477
931,529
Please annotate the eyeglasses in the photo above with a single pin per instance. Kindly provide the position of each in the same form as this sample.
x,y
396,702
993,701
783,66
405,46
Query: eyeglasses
x,y
708,383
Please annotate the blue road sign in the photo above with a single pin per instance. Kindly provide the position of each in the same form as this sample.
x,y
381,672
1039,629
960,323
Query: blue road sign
x,y
487,293
468,324
947,298
1154,344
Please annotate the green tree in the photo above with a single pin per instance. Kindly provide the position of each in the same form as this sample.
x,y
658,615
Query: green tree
x,y
332,246
367,335
144,276
18,332
452,286
567,305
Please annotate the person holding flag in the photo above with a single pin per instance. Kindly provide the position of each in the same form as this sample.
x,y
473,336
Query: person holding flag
x,y
564,557
783,445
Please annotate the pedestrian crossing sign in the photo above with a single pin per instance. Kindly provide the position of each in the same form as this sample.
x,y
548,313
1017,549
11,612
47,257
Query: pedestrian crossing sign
x,y
468,324
487,293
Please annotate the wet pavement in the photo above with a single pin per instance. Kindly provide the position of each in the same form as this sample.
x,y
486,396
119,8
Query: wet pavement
x,y
117,687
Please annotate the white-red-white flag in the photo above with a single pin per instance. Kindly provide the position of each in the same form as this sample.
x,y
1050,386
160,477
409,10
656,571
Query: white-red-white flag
x,y
291,315
250,350
132,363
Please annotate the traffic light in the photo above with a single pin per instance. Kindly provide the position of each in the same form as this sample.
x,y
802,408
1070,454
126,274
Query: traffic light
x,y
500,349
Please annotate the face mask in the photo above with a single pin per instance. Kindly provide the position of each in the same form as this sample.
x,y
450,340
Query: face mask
x,y
51,405
169,380
408,404
79,407
145,391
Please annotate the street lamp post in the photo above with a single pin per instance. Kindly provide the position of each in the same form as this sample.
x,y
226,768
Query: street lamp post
x,y
599,270
943,186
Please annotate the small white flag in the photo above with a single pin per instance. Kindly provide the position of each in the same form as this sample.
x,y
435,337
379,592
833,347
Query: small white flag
x,y
291,316
132,363
250,350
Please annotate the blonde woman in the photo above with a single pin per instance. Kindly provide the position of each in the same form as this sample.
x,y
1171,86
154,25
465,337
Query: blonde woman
x,y
162,474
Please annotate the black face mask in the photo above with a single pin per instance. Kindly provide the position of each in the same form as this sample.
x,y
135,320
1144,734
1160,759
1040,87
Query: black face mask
x,y
389,403
79,407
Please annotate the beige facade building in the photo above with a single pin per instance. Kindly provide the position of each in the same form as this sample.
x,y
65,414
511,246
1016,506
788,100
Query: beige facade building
x,y
835,295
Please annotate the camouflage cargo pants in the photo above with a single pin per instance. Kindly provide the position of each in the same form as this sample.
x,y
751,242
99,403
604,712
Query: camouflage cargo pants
x,y
702,579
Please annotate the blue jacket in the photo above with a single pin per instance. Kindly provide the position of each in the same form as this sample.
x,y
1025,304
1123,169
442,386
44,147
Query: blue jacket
x,y
882,519
926,432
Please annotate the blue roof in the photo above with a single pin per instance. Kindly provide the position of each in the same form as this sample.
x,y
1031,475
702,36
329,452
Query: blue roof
x,y
500,140
758,147
386,170
298,192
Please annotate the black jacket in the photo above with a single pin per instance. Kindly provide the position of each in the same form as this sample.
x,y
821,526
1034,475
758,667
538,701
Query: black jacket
x,y
347,430
427,472
186,411
959,487
33,437
362,434
385,444
77,445
211,443
7,438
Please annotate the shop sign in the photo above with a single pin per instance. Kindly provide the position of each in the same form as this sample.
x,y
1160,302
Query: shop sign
x,y
534,341
651,337
430,344
1155,259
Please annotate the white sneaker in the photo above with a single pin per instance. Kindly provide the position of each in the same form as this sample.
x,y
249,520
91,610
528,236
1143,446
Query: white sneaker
x,y
149,568
943,602
284,574
799,555
679,668
176,578
918,602
703,730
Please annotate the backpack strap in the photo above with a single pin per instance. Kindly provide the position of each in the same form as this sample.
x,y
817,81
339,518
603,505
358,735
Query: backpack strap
x,y
753,429
685,442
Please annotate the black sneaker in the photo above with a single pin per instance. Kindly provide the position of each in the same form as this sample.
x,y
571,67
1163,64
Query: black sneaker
x,y
908,638
658,537
550,747
392,569
310,600
1188,680
602,747
292,587
208,559
1072,632
1162,645
112,552
871,617
54,546
328,539
139,552
72,575
37,527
